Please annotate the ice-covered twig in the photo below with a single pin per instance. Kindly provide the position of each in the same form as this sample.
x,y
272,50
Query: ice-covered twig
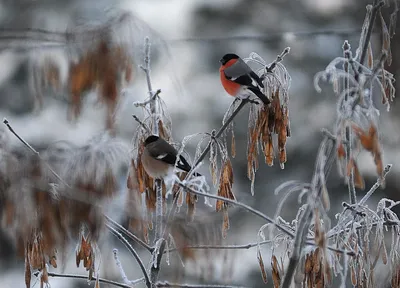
x,y
5,121
257,213
377,184
133,252
153,109
152,98
279,59
101,280
142,124
120,268
375,9
129,234
223,247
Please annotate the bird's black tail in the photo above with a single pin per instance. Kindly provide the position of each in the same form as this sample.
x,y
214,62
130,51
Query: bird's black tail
x,y
184,165
260,95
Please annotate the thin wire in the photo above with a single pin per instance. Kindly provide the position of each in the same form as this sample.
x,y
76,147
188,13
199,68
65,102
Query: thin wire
x,y
272,36
265,38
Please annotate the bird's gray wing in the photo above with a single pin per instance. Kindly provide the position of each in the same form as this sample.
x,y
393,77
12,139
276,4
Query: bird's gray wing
x,y
242,74
238,69
163,151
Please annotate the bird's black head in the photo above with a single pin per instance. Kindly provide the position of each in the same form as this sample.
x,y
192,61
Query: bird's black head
x,y
228,57
150,139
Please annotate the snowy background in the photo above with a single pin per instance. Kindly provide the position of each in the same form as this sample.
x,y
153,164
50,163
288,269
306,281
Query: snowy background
x,y
188,40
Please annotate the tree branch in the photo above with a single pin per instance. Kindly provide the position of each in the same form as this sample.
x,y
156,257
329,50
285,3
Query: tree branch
x,y
221,130
129,234
133,252
375,8
101,280
259,214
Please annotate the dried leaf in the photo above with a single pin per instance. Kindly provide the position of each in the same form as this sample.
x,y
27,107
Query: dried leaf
x,y
269,151
316,260
45,276
28,274
384,253
53,261
262,268
370,62
368,140
225,223
276,277
225,185
353,276
308,266
358,179
233,145
341,152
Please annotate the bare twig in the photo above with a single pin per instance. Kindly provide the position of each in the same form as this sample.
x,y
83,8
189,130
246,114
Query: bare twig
x,y
129,234
176,285
350,180
223,247
5,121
279,58
376,6
142,124
259,214
155,267
152,98
221,130
133,252
120,268
101,280
377,184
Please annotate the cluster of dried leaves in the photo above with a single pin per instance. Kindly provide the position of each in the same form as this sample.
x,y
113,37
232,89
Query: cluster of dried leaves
x,y
42,213
269,120
103,67
86,254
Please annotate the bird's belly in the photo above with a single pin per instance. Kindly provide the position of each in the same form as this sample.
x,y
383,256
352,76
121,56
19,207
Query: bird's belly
x,y
231,87
162,169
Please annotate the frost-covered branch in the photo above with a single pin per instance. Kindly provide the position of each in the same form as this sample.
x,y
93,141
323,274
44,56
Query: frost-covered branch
x,y
101,280
129,234
376,6
120,268
257,213
155,267
134,254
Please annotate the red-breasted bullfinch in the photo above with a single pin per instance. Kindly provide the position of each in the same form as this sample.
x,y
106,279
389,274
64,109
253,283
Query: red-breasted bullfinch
x,y
159,158
239,80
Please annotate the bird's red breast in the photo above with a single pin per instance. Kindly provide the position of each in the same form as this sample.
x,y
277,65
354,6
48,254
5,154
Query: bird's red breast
x,y
231,87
